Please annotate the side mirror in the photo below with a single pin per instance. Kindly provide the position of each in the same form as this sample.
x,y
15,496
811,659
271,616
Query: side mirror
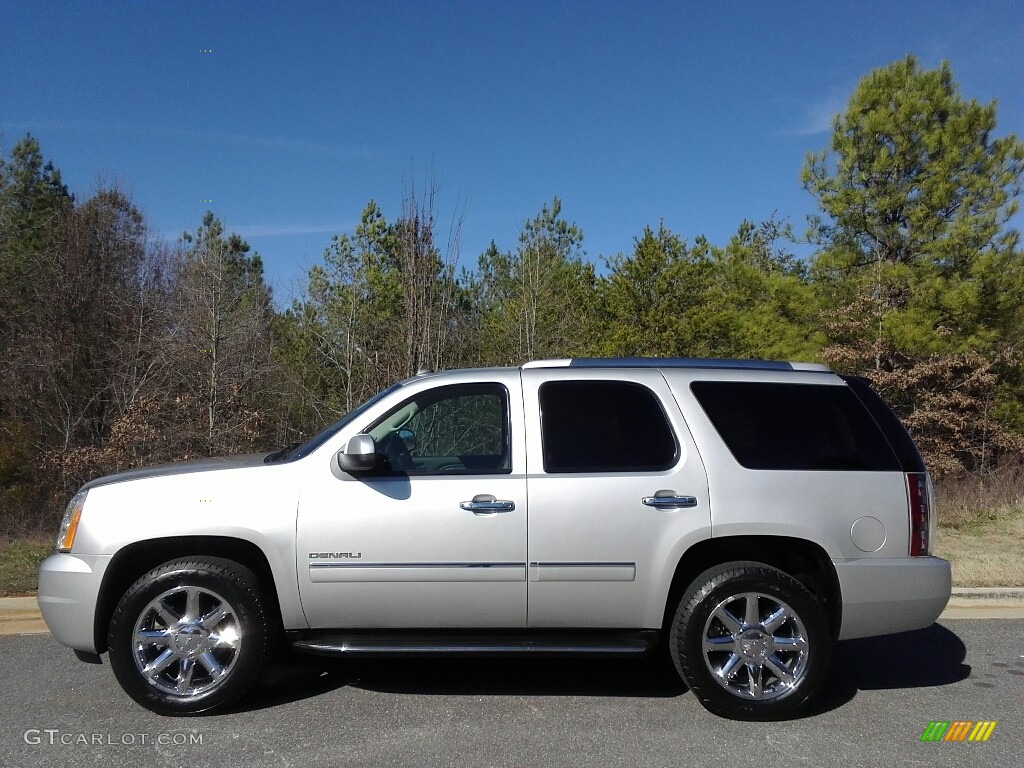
x,y
360,455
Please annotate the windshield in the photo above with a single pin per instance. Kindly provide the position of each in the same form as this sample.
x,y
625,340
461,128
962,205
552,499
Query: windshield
x,y
301,450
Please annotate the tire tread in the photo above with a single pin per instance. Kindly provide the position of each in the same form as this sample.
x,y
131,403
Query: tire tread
x,y
685,663
245,582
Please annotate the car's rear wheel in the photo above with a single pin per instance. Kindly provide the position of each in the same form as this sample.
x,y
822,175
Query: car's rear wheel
x,y
751,641
190,636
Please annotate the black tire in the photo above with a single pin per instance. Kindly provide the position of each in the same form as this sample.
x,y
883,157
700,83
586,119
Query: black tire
x,y
764,670
195,666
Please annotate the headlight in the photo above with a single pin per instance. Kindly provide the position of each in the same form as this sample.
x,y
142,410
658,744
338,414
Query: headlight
x,y
69,524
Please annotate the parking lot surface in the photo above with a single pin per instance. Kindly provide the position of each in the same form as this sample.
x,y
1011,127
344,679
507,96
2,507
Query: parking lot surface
x,y
308,711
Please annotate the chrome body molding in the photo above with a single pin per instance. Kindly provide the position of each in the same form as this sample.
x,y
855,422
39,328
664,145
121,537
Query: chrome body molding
x,y
582,571
321,573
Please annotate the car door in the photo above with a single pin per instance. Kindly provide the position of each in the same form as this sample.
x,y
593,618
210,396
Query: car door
x,y
617,493
436,536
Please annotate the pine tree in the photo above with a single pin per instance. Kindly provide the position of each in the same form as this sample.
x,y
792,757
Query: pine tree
x,y
918,262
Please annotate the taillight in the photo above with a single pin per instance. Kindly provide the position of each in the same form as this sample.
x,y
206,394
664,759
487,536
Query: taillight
x,y
920,513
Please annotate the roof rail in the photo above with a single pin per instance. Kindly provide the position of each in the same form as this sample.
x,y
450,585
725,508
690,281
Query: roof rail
x,y
676,362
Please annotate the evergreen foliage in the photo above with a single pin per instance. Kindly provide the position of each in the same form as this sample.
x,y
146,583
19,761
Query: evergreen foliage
x,y
118,350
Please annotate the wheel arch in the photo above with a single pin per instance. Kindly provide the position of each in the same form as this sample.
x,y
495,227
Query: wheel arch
x,y
804,560
134,560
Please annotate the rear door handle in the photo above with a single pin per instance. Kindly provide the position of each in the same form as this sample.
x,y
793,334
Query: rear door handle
x,y
666,499
485,504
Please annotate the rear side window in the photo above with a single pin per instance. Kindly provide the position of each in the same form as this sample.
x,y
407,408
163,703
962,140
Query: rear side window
x,y
795,426
896,434
604,426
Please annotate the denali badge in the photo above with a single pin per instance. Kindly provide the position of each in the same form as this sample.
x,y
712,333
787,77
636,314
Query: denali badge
x,y
334,555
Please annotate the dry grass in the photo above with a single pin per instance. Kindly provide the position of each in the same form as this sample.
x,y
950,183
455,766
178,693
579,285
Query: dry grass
x,y
981,527
986,556
19,565
973,502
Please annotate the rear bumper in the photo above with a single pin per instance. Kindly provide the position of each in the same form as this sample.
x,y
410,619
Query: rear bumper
x,y
69,587
882,596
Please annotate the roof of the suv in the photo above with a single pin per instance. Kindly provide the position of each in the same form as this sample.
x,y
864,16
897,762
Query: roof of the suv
x,y
676,362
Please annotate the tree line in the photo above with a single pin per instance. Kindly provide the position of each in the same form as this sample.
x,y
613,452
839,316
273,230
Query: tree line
x,y
120,349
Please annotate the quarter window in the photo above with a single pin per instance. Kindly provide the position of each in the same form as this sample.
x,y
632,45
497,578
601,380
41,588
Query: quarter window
x,y
604,426
795,426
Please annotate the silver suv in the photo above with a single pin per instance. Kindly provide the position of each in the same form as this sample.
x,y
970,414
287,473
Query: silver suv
x,y
745,513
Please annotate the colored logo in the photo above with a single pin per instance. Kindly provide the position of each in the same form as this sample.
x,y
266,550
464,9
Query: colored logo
x,y
958,730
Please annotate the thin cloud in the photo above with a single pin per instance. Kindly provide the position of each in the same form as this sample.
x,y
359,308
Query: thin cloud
x,y
291,145
818,117
287,230
217,137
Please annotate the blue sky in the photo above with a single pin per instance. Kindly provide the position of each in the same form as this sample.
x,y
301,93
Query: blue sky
x,y
697,113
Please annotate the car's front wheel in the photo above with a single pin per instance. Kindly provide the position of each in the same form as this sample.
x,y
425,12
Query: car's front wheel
x,y
190,636
751,641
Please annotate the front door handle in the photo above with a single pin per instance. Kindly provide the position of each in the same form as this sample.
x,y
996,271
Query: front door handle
x,y
666,499
485,504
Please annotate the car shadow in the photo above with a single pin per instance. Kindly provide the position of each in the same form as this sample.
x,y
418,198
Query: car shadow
x,y
923,658
295,676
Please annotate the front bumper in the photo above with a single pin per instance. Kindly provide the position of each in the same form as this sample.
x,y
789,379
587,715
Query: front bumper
x,y
69,587
883,596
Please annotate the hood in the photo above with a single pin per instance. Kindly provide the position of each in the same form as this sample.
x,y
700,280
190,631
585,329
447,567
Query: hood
x,y
181,468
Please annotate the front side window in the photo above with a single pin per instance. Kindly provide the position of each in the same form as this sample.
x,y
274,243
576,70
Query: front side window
x,y
604,426
458,429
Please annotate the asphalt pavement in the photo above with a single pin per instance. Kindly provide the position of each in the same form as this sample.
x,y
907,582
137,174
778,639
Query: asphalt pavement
x,y
308,711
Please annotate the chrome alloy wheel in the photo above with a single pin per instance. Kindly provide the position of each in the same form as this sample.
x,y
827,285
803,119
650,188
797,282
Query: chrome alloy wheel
x,y
755,646
186,641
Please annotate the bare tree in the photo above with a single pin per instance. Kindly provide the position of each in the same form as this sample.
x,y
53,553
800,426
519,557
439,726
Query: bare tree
x,y
427,279
221,336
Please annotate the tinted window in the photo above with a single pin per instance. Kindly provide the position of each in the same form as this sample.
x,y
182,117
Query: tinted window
x,y
895,433
604,426
794,426
460,429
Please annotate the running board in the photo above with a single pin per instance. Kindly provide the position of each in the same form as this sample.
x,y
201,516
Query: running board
x,y
411,643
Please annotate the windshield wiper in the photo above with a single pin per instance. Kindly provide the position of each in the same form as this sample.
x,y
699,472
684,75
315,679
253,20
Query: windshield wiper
x,y
281,454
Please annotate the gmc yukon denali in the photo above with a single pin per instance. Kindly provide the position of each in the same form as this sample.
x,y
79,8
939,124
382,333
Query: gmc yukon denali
x,y
741,514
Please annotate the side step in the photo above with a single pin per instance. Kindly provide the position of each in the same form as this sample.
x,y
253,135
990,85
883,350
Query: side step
x,y
461,643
